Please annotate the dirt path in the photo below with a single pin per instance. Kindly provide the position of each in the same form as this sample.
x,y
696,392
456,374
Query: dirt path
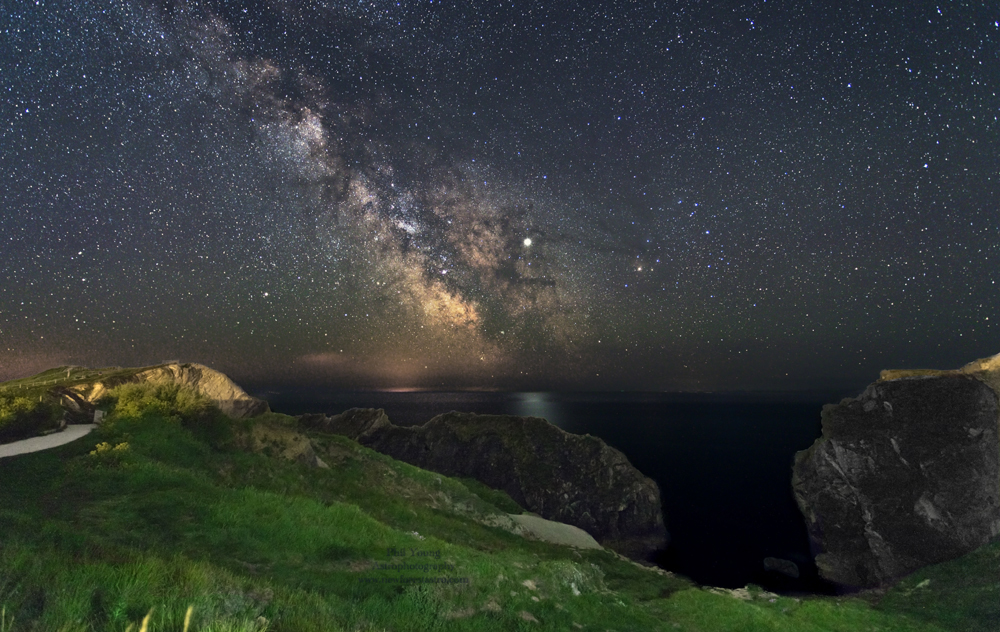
x,y
34,444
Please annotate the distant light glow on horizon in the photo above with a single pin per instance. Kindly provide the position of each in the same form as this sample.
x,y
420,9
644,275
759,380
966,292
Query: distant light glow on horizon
x,y
542,196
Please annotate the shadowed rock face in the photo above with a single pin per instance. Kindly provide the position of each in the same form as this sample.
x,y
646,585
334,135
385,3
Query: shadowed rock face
x,y
216,386
905,475
569,478
76,409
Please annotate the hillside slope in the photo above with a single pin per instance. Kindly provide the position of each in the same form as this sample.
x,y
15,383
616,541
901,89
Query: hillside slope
x,y
257,524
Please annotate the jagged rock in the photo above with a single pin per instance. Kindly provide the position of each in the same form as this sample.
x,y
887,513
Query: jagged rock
x,y
360,424
216,386
275,439
905,475
568,478
76,409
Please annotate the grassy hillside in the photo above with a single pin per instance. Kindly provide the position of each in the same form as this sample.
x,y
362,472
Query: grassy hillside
x,y
170,508
66,376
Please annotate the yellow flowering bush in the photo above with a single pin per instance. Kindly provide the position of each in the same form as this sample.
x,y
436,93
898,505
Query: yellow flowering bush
x,y
104,448
111,456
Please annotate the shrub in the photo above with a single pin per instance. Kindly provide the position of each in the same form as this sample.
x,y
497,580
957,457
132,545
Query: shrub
x,y
111,455
172,401
23,417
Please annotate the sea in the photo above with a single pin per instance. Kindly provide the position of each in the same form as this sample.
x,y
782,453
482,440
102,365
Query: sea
x,y
722,462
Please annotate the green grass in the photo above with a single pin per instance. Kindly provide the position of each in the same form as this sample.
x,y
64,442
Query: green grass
x,y
962,594
65,376
704,610
496,497
164,509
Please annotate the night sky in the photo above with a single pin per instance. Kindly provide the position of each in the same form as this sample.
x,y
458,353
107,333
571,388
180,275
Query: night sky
x,y
688,195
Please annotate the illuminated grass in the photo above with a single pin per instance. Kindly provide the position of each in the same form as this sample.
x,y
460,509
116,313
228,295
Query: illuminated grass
x,y
180,530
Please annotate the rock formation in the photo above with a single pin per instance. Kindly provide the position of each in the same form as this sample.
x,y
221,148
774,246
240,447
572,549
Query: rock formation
x,y
905,475
986,370
276,439
568,478
785,567
216,386
76,408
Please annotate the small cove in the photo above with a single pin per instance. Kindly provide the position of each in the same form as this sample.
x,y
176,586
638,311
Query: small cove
x,y
722,461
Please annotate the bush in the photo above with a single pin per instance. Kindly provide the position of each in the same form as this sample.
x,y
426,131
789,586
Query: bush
x,y
111,456
135,401
23,417
173,403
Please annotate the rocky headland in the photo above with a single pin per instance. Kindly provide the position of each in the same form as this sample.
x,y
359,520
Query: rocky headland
x,y
905,475
578,480
212,384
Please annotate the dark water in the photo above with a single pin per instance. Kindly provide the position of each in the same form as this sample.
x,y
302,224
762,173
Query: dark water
x,y
723,464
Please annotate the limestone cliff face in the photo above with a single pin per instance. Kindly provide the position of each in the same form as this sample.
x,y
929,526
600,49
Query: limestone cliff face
x,y
905,475
216,386
568,478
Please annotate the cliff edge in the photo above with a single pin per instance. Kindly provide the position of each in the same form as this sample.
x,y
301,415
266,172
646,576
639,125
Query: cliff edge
x,y
212,384
575,479
905,475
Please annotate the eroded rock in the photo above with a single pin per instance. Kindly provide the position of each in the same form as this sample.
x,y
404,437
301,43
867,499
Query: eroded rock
x,y
578,480
212,384
905,475
76,409
275,439
779,565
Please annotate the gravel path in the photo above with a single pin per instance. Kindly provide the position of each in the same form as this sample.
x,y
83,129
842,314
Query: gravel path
x,y
34,444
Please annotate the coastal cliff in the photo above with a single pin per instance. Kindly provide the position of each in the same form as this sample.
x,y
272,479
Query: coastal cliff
x,y
263,533
575,479
905,475
214,385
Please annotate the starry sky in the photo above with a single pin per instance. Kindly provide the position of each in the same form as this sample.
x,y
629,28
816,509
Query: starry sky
x,y
600,195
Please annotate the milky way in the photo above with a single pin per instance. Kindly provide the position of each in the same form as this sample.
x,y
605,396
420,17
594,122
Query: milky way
x,y
603,195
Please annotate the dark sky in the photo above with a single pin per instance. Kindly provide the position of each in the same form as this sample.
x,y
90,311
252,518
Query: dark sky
x,y
718,195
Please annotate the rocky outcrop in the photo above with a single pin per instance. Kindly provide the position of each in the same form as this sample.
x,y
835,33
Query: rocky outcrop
x,y
275,439
578,480
212,384
986,370
785,567
76,408
905,475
